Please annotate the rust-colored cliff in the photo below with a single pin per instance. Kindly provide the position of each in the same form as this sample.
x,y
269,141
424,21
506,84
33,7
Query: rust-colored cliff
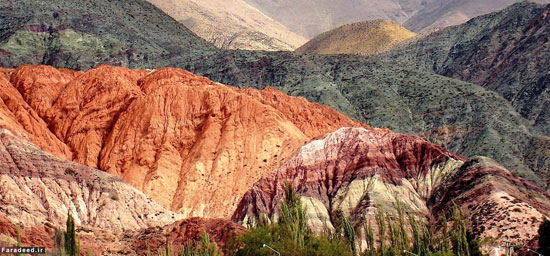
x,y
193,145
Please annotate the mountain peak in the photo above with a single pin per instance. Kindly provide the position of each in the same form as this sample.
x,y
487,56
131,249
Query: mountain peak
x,y
363,38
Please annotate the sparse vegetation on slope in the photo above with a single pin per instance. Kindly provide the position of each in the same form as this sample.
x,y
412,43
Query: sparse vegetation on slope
x,y
363,38
82,34
231,24
506,52
462,117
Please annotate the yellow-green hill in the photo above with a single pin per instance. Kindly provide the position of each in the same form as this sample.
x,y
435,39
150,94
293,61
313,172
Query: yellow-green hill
x,y
363,38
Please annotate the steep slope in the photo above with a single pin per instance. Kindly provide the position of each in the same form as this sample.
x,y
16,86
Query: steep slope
x,y
193,145
497,203
17,115
506,52
81,35
383,95
363,38
310,18
354,171
440,14
38,190
462,117
231,24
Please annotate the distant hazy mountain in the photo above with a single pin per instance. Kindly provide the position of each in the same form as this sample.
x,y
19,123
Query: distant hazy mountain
x,y
444,13
310,18
363,38
231,24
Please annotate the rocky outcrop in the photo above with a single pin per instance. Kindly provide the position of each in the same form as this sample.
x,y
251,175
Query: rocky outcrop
x,y
193,145
18,116
185,233
504,51
37,236
362,38
497,203
461,117
354,171
38,190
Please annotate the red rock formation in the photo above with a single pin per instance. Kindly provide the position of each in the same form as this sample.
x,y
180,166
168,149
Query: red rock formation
x,y
40,236
350,170
186,232
191,144
355,171
21,118
497,203
313,119
37,189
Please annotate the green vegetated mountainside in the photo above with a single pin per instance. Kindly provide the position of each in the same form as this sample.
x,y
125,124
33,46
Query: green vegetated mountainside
x,y
82,34
507,52
463,117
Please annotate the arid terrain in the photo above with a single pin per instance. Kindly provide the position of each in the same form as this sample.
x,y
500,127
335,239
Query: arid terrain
x,y
194,128
364,38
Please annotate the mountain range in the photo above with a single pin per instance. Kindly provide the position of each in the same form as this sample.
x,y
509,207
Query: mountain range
x,y
211,173
100,119
81,35
232,24
505,52
286,25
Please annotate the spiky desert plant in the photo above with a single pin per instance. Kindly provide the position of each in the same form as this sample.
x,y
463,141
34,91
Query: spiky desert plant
x,y
72,248
369,237
425,241
444,236
381,223
148,249
59,243
401,229
459,240
416,235
349,233
293,217
263,220
208,248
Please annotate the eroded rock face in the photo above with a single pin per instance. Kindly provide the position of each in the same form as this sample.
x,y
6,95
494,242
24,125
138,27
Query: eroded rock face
x,y
497,203
354,171
193,145
186,232
18,116
38,188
